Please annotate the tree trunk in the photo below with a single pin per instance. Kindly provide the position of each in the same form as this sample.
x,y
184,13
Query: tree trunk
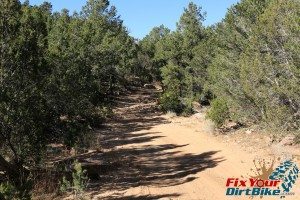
x,y
16,173
8,168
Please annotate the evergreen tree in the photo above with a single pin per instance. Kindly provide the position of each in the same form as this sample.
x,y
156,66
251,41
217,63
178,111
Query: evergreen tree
x,y
172,75
180,48
25,115
151,47
254,69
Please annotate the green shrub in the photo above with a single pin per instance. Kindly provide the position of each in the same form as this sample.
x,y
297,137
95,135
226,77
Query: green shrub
x,y
78,183
7,191
188,107
218,112
170,102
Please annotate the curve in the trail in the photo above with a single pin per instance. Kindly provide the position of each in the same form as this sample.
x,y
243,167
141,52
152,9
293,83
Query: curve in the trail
x,y
157,156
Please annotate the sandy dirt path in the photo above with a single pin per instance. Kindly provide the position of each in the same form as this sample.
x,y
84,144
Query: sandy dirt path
x,y
166,157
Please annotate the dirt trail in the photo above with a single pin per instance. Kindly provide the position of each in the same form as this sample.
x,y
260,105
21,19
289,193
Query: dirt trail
x,y
163,157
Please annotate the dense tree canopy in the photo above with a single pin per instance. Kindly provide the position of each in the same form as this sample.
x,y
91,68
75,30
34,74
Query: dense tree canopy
x,y
172,56
256,68
57,73
249,61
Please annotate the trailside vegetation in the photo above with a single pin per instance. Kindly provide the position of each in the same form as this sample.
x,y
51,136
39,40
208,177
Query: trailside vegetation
x,y
57,75
247,64
60,71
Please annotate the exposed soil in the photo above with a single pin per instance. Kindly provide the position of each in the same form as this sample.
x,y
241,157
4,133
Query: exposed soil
x,y
151,155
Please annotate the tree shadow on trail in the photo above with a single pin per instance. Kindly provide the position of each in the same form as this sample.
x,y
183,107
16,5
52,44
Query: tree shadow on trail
x,y
152,166
137,111
129,160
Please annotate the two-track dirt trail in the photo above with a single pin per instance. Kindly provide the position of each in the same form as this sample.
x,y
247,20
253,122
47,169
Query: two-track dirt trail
x,y
164,157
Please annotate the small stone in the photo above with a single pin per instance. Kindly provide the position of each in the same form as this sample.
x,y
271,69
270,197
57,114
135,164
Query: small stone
x,y
229,126
196,106
287,140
